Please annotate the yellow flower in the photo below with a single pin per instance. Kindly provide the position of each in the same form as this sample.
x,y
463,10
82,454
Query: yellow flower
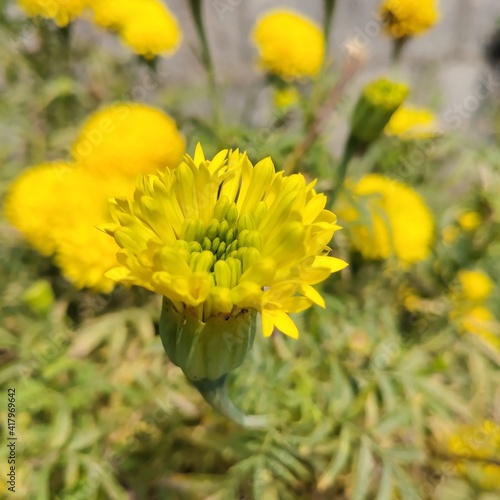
x,y
450,235
412,123
404,18
84,254
33,204
129,138
113,14
470,220
290,45
481,322
151,30
475,286
478,443
61,11
221,237
285,97
387,218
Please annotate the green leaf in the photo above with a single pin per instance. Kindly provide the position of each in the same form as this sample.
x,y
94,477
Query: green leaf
x,y
337,465
363,471
386,483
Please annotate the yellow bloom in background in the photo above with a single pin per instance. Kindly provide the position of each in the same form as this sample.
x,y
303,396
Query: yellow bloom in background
x,y
84,253
286,97
470,220
151,30
129,138
412,123
475,285
404,18
61,11
480,322
387,218
218,238
450,235
33,204
478,442
113,14
289,44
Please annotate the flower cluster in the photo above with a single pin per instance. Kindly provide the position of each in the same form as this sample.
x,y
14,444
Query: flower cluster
x,y
219,237
57,206
146,26
406,18
290,45
387,218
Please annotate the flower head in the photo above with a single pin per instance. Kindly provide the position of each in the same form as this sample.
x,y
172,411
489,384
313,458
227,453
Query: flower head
x,y
411,123
470,220
128,138
290,45
286,97
475,285
61,11
151,29
404,18
480,322
33,204
224,236
113,14
387,218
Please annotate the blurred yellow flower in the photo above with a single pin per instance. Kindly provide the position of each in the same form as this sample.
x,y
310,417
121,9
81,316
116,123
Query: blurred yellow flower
x,y
478,442
387,218
411,123
151,29
481,322
129,138
112,14
289,44
84,253
404,18
61,11
285,97
470,220
220,237
33,204
475,285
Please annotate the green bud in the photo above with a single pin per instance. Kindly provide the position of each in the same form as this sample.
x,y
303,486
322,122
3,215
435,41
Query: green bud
x,y
212,229
232,213
39,297
230,236
221,207
223,227
215,245
246,222
379,101
221,250
206,244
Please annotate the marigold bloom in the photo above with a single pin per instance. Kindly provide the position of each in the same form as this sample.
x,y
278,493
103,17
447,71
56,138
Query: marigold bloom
x,y
470,220
84,253
478,442
387,218
129,138
412,123
151,30
33,204
404,18
61,11
290,45
475,285
480,322
113,14
220,237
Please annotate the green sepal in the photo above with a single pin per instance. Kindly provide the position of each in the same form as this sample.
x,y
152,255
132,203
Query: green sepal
x,y
206,350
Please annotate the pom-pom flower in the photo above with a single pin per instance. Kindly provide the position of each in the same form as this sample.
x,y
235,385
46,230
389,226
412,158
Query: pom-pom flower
x,y
34,202
61,11
405,18
290,45
129,138
412,123
151,29
474,285
387,218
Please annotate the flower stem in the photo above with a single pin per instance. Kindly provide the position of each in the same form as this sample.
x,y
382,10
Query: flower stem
x,y
215,393
206,58
328,21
